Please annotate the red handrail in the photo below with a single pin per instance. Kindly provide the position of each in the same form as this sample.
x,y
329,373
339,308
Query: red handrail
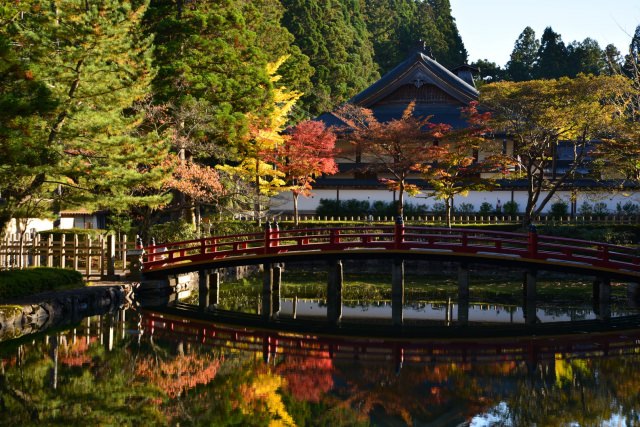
x,y
525,246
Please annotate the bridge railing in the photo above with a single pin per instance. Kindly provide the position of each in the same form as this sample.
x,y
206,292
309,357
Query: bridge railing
x,y
529,246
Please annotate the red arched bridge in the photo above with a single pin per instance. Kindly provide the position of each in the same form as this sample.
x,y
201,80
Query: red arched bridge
x,y
528,250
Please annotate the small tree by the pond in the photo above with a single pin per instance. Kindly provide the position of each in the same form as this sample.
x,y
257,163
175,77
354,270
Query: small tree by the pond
x,y
309,151
399,147
456,169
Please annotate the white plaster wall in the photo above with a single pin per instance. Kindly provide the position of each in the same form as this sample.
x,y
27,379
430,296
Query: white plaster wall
x,y
476,198
33,223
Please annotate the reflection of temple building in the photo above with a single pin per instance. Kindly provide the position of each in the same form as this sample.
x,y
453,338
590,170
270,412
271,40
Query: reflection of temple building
x,y
440,94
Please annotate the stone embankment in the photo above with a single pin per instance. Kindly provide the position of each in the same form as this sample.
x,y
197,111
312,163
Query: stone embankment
x,y
42,311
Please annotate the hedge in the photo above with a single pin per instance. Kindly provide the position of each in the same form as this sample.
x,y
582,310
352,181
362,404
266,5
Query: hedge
x,y
19,283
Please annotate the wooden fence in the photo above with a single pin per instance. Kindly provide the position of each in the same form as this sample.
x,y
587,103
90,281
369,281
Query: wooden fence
x,y
467,219
92,256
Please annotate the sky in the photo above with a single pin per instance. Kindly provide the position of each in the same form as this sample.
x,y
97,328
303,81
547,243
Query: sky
x,y
490,28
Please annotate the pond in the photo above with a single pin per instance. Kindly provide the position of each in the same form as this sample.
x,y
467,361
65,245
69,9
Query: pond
x,y
142,367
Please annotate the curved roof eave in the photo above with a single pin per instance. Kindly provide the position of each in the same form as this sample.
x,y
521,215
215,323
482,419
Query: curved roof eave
x,y
440,76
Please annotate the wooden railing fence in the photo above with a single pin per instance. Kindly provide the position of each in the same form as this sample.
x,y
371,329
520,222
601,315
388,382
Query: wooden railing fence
x,y
465,219
91,255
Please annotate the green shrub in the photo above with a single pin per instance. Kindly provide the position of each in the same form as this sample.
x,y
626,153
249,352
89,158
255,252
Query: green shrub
x,y
486,208
559,209
19,283
600,209
585,209
466,208
629,208
511,208
172,231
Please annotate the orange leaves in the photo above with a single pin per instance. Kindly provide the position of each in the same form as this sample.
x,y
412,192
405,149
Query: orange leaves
x,y
199,182
182,373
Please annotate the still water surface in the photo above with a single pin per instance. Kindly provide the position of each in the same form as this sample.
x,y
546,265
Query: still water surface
x,y
139,367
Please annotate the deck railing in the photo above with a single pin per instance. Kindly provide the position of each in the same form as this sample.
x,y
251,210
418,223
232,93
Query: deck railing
x,y
399,237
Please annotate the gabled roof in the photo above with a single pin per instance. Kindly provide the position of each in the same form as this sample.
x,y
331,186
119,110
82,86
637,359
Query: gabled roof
x,y
417,69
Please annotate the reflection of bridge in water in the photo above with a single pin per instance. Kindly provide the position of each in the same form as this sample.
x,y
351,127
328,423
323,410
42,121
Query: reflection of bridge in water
x,y
530,252
181,325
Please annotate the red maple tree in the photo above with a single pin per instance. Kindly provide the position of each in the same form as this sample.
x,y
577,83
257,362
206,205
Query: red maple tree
x,y
308,152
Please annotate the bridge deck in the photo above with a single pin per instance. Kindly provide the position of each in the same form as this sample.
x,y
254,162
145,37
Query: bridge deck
x,y
513,249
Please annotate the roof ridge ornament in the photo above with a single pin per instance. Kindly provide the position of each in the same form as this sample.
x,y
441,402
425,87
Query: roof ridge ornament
x,y
422,47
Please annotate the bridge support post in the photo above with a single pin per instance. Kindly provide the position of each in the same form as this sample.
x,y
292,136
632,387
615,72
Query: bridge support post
x,y
530,294
334,292
602,297
463,294
275,296
214,287
203,288
397,291
267,291
633,294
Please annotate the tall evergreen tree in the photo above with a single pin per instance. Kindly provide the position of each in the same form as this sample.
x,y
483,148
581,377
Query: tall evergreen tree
x,y
523,57
613,60
334,36
96,66
264,18
454,53
585,57
392,25
552,56
210,71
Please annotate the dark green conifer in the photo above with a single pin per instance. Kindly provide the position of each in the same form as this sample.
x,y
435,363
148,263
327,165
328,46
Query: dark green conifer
x,y
524,56
334,36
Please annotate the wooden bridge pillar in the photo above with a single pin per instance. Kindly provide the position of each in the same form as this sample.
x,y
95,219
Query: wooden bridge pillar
x,y
463,294
530,294
633,294
203,288
602,297
334,292
267,291
275,296
397,291
208,288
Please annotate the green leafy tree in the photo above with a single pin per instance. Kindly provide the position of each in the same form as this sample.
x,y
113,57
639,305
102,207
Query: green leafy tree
x,y
211,73
25,156
523,57
540,113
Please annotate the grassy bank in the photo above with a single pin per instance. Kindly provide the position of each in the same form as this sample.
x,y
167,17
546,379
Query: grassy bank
x,y
20,283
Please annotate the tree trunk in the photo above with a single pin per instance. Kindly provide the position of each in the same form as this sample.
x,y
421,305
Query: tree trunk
x,y
447,207
256,206
401,200
295,208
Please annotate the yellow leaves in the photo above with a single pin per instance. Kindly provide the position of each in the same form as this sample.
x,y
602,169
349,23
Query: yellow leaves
x,y
265,388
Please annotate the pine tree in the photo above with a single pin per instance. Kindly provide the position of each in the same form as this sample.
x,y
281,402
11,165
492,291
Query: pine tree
x,y
96,67
552,56
333,34
25,156
523,57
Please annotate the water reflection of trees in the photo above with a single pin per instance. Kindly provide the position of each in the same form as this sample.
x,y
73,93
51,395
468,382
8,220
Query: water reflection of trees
x,y
73,377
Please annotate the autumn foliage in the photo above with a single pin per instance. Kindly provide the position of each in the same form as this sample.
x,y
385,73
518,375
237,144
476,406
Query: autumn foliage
x,y
308,152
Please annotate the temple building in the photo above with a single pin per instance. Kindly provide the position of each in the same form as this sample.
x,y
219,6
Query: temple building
x,y
441,94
